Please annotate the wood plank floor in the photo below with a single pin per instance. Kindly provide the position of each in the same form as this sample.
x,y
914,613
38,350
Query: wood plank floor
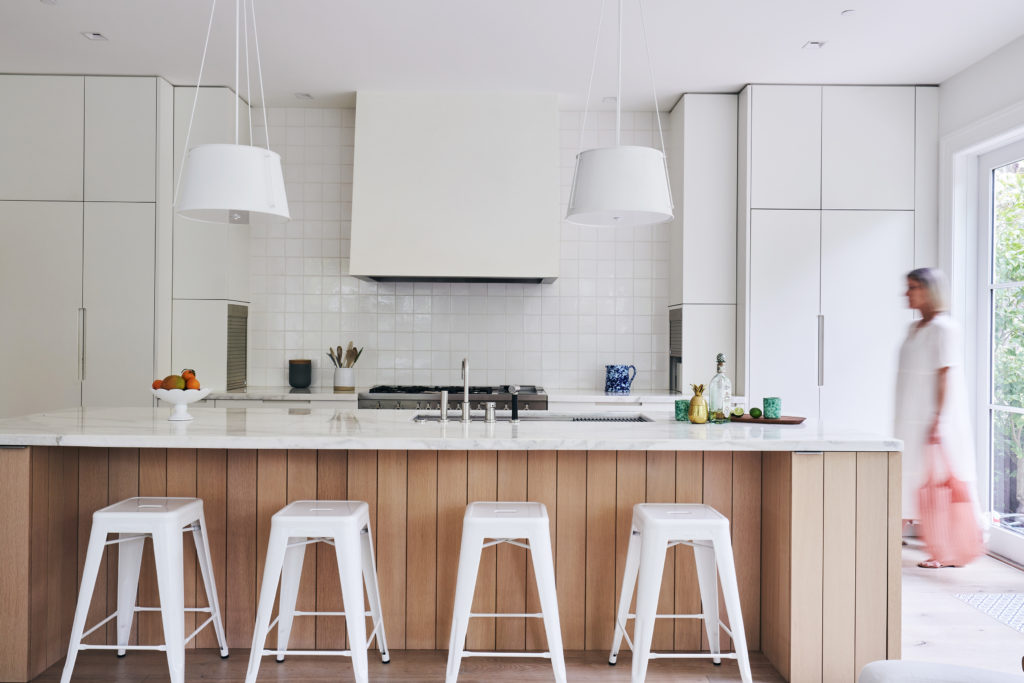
x,y
406,666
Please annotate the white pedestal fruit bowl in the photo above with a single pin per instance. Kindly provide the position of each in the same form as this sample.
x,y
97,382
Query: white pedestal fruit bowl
x,y
180,398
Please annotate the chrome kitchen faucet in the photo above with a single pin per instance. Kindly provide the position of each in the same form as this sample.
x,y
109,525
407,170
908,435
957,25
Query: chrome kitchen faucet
x,y
465,390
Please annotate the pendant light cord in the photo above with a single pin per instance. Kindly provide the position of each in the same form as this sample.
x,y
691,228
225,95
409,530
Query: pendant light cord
x,y
259,73
618,91
650,68
195,100
593,70
248,83
238,22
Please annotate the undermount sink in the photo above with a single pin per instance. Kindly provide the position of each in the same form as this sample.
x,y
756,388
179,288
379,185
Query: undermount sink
x,y
541,417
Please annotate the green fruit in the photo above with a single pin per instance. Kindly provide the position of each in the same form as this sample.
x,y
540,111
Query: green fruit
x,y
737,411
755,412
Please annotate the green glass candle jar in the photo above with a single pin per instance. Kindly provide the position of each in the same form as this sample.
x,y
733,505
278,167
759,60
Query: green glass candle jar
x,y
772,407
683,409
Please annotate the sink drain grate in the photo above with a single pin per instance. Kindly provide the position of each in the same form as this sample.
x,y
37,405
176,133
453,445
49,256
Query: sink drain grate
x,y
634,418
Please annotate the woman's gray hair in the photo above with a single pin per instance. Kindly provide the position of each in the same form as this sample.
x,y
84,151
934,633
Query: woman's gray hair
x,y
934,282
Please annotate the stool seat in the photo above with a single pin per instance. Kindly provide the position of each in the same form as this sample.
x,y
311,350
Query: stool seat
x,y
656,527
682,517
162,520
345,524
504,522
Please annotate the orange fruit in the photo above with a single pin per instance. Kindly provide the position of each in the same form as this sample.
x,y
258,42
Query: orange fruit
x,y
158,384
192,383
188,374
173,382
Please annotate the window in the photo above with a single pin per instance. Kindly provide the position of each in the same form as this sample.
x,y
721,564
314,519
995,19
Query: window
x,y
1002,297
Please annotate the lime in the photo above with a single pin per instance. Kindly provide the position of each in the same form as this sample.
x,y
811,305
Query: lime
x,y
755,412
737,411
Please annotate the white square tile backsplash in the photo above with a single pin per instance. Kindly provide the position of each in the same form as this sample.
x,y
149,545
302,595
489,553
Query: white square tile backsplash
x,y
609,304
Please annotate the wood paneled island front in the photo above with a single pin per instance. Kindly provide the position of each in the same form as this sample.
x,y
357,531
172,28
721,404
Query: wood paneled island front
x,y
815,518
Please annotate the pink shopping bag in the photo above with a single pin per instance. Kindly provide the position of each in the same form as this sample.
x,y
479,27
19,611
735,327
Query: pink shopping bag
x,y
949,526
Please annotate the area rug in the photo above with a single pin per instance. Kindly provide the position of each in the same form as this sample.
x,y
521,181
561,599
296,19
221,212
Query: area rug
x,y
1006,608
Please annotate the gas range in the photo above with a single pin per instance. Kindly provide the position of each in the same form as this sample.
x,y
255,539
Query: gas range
x,y
416,397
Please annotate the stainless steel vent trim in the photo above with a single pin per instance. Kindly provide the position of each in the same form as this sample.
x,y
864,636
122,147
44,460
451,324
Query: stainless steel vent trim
x,y
675,332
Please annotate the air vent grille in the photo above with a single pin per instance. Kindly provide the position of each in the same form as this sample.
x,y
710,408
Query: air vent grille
x,y
610,418
238,340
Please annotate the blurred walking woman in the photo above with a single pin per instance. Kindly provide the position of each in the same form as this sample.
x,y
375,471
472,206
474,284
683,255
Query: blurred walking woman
x,y
931,400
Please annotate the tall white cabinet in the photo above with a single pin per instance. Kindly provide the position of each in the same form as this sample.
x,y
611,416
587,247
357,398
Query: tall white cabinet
x,y
78,234
827,229
702,282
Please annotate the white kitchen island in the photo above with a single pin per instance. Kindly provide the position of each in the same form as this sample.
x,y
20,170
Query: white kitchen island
x,y
814,514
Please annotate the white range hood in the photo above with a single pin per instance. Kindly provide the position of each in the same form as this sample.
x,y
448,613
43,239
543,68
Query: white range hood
x,y
457,187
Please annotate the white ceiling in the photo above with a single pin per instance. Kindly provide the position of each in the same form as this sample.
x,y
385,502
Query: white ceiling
x,y
333,48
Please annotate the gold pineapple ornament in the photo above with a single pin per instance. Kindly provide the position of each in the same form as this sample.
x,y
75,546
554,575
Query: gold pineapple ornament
x,y
698,406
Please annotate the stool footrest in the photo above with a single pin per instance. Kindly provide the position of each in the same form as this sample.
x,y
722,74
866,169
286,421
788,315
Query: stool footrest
x,y
672,616
542,655
161,648
692,655
299,613
507,615
187,609
306,653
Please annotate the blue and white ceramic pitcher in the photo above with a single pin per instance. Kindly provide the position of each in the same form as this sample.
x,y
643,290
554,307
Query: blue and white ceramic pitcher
x,y
617,378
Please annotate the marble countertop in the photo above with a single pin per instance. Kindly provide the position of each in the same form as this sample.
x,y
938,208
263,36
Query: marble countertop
x,y
328,394
322,428
285,394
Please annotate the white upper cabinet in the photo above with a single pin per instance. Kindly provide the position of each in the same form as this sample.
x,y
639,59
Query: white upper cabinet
x,y
867,143
118,303
120,139
41,137
785,139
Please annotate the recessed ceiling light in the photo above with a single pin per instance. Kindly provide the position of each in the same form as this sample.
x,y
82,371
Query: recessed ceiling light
x,y
303,96
848,12
607,100
48,2
814,44
94,35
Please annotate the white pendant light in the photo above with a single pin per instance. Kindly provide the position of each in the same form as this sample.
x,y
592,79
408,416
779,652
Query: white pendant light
x,y
624,185
230,183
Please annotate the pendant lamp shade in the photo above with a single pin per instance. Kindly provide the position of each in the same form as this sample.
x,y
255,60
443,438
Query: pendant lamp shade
x,y
620,186
222,180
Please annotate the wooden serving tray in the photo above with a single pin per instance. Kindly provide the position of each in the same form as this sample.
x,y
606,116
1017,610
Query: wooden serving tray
x,y
784,420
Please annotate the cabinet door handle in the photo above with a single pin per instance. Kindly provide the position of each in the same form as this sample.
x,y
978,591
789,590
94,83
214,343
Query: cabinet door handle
x,y
81,344
821,350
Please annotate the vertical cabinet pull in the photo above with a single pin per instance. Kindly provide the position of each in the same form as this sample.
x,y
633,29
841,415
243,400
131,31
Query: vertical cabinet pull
x,y
821,350
81,344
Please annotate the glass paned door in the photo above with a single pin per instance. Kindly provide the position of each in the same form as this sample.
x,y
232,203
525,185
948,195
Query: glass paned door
x,y
1005,376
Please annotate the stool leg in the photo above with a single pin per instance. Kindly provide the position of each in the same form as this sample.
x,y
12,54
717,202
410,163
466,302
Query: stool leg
x,y
291,574
93,557
209,582
723,554
271,573
373,594
465,586
129,562
544,573
167,549
652,566
626,594
707,580
350,569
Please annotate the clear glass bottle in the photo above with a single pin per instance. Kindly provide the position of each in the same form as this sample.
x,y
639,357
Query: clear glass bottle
x,y
719,393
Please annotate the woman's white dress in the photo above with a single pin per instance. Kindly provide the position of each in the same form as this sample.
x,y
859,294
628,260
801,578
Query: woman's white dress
x,y
925,350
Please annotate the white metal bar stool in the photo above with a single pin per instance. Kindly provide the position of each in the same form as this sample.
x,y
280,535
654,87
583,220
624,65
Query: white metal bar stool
x,y
503,523
656,528
344,524
135,520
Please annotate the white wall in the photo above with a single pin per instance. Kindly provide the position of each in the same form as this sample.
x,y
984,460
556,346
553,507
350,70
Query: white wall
x,y
609,304
983,88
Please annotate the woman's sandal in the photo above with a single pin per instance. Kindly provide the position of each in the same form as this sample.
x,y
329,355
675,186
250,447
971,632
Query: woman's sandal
x,y
934,564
